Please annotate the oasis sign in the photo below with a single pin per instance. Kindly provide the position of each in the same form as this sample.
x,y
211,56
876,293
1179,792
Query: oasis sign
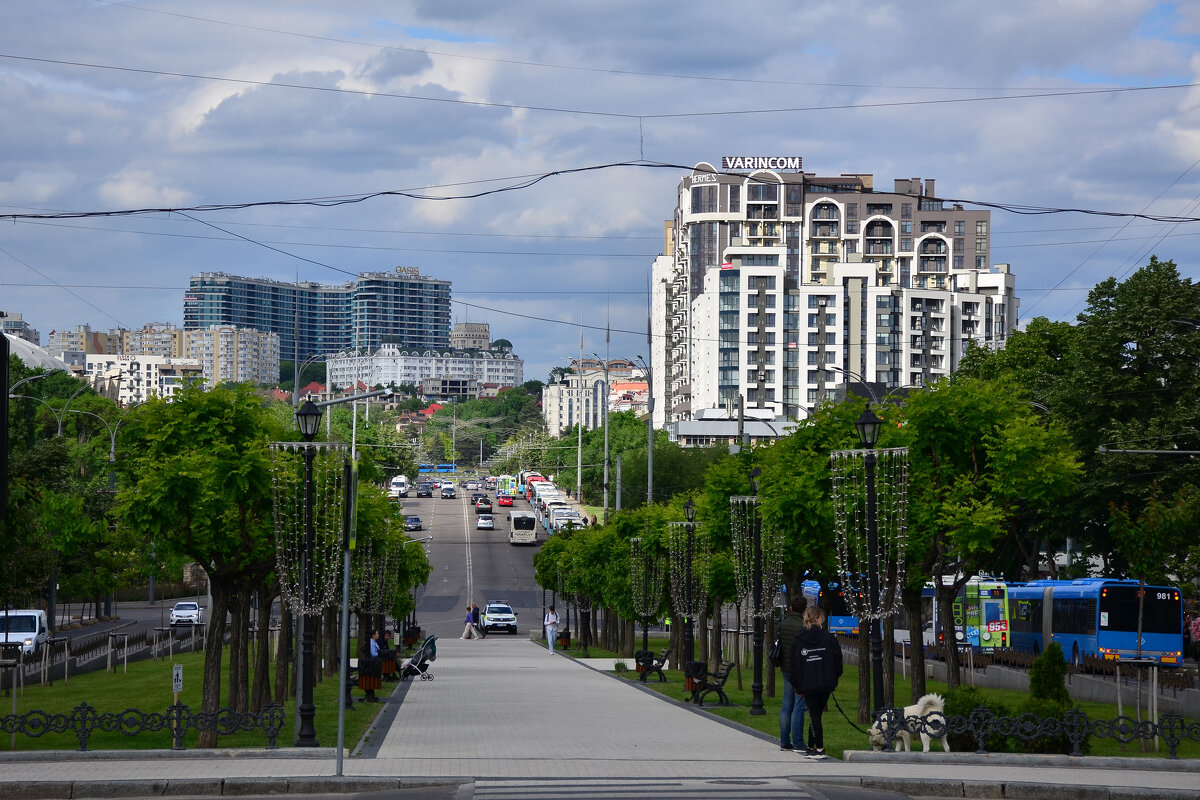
x,y
409,272
762,162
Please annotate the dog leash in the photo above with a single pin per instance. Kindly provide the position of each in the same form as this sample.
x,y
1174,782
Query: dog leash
x,y
852,725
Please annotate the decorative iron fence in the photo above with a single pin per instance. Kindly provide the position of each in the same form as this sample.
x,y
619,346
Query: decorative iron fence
x,y
1073,728
84,720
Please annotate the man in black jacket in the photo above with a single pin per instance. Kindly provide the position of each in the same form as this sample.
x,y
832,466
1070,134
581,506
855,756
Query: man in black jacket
x,y
791,713
816,665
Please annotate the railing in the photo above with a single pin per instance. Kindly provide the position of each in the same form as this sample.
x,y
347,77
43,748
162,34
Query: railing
x,y
84,720
1075,727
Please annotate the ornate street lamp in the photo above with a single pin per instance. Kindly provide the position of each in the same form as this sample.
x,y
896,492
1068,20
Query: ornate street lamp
x,y
308,419
645,579
688,592
868,434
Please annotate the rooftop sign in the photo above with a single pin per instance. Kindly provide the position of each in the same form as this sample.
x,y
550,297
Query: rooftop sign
x,y
762,162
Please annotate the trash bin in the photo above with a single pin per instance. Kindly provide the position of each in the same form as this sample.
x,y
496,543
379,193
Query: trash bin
x,y
642,658
411,636
564,640
693,674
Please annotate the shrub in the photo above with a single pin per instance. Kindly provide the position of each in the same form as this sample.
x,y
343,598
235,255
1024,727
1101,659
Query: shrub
x,y
620,666
1048,698
964,700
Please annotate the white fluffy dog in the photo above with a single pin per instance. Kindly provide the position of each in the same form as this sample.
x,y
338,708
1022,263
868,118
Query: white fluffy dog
x,y
929,705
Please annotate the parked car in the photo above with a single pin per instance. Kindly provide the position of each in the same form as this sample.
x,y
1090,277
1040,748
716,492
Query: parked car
x,y
504,500
498,616
186,612
412,523
485,522
27,628
425,490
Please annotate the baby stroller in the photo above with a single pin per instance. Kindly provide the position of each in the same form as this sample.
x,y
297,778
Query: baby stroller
x,y
419,663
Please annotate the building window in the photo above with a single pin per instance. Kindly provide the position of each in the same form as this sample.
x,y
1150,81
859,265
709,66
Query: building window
x,y
906,244
735,199
906,211
981,263
981,227
704,199
960,227
762,192
755,282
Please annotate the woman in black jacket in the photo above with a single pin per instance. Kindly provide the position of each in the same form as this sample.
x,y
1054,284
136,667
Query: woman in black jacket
x,y
816,665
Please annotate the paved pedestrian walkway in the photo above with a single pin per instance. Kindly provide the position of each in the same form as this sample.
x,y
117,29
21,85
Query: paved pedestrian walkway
x,y
502,711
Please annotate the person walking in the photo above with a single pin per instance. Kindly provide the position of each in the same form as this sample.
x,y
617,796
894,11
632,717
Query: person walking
x,y
479,631
469,630
373,669
816,665
791,713
551,623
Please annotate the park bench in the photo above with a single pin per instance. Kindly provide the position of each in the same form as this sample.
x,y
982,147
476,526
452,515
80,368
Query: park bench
x,y
712,682
649,663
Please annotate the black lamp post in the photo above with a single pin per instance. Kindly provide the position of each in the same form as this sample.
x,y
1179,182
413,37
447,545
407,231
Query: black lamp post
x,y
756,688
868,434
308,419
689,642
636,545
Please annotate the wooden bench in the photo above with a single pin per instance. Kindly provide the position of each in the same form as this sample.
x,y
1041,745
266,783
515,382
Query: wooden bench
x,y
713,682
648,663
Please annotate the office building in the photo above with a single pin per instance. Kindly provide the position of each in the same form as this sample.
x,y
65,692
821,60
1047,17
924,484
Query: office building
x,y
234,355
776,286
403,308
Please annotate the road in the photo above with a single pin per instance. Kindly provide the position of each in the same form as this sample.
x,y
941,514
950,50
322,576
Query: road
x,y
472,566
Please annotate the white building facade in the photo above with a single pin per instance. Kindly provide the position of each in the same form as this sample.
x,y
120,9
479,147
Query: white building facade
x,y
228,354
392,365
580,394
776,287
135,379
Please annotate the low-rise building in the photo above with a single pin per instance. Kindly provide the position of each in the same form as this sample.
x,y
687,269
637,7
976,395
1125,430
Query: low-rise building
x,y
392,365
135,379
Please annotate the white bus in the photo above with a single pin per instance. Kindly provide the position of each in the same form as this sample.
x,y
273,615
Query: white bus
x,y
522,528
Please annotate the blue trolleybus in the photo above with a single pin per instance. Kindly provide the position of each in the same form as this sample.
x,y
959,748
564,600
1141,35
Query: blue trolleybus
x,y
841,618
1098,617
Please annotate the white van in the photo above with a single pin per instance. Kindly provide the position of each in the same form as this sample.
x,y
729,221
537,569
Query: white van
x,y
398,487
26,627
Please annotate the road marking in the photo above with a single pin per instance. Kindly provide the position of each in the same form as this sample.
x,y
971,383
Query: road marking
x,y
467,540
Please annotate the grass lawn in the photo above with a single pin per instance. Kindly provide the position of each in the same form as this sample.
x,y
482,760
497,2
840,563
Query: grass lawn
x,y
147,687
839,733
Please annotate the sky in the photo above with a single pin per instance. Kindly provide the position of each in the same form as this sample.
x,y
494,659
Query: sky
x,y
530,152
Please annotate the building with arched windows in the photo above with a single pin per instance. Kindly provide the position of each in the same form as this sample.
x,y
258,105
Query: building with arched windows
x,y
776,286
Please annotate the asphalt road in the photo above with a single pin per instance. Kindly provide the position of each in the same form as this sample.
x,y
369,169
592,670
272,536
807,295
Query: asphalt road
x,y
472,566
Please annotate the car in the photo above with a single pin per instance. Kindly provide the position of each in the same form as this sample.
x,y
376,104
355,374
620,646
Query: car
x,y
483,506
504,500
186,612
448,492
472,484
498,616
412,523
475,497
485,522
425,490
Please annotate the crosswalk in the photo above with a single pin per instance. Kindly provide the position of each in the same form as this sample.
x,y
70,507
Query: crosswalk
x,y
658,789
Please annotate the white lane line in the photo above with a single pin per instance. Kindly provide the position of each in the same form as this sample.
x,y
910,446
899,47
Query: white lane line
x,y
467,540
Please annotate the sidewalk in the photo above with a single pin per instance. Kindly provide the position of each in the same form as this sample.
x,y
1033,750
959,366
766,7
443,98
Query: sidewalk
x,y
504,709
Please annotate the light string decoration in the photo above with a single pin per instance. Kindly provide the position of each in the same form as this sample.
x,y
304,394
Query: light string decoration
x,y
373,568
287,488
743,517
646,574
850,526
687,574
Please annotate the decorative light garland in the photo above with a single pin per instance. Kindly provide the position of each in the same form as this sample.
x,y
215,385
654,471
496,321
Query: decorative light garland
x,y
744,513
701,565
646,574
850,526
287,485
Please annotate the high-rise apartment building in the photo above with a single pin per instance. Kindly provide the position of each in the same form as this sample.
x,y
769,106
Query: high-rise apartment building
x,y
153,339
402,307
234,355
776,286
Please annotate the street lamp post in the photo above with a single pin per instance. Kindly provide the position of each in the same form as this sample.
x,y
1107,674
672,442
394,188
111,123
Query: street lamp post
x,y
606,403
308,418
868,433
689,640
756,688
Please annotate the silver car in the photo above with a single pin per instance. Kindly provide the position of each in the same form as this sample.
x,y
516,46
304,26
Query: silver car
x,y
485,522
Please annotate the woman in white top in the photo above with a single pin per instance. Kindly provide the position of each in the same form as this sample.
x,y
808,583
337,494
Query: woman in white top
x,y
551,623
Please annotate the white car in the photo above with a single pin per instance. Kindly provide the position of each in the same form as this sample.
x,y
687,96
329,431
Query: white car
x,y
27,628
186,613
485,522
498,616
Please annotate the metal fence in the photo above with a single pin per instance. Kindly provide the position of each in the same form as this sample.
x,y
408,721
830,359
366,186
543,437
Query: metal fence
x,y
1072,728
84,720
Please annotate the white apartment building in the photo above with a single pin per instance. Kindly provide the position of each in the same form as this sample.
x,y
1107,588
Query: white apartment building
x,y
776,287
393,365
228,354
14,324
135,379
580,394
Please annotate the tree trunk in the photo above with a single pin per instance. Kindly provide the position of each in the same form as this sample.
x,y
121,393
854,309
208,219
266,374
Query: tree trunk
x,y
945,600
700,636
210,701
768,667
239,611
916,631
283,656
718,632
889,660
737,648
260,693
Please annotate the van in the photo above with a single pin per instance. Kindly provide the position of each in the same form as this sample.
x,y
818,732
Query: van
x,y
27,628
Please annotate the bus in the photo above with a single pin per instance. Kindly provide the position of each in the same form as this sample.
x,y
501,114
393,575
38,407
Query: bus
x,y
1098,617
522,528
841,618
506,484
425,469
981,615
447,468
